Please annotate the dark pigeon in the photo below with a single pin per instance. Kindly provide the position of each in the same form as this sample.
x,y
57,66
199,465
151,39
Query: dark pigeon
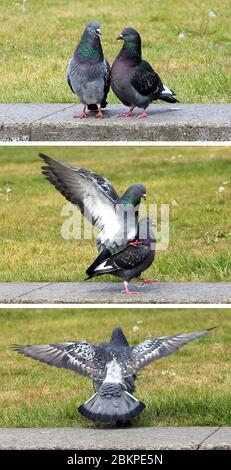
x,y
88,72
131,261
112,367
115,217
133,80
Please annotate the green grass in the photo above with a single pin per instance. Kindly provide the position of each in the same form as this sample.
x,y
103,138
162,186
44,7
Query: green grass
x,y
38,39
32,248
190,387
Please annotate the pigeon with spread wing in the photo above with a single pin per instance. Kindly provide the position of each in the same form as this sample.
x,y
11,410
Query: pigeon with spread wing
x,y
116,217
112,367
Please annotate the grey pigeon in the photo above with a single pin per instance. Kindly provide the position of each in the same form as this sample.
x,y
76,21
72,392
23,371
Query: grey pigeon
x,y
88,72
115,217
131,261
133,80
112,367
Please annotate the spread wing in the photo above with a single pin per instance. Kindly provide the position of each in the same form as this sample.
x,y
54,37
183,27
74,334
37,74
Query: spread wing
x,y
81,357
93,194
146,81
151,350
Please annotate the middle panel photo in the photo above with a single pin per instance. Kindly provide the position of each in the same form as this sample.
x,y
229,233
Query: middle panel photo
x,y
115,225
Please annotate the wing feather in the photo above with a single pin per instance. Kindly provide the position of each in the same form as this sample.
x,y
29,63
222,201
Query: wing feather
x,y
81,357
151,350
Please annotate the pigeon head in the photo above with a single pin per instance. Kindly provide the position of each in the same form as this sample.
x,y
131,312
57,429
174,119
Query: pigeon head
x,y
134,194
89,47
93,29
118,338
132,40
145,231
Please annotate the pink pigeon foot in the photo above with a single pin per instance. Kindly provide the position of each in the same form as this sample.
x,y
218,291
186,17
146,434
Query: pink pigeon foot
x,y
143,115
82,115
128,114
100,115
147,281
127,291
135,243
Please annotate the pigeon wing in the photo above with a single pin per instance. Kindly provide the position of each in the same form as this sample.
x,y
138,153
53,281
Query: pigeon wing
x,y
151,350
68,75
92,193
130,257
81,357
145,80
107,82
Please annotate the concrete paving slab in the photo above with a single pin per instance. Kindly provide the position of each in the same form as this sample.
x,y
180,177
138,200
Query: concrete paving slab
x,y
54,122
221,439
134,438
16,119
109,292
11,290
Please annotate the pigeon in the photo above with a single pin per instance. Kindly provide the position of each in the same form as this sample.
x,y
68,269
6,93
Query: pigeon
x,y
131,261
133,80
88,72
112,367
116,217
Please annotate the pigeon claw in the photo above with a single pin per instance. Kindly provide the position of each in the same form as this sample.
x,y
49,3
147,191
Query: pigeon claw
x,y
129,114
82,115
129,292
100,115
147,281
143,115
135,243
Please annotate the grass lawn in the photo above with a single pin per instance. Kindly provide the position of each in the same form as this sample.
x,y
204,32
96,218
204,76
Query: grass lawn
x,y
38,38
190,387
188,179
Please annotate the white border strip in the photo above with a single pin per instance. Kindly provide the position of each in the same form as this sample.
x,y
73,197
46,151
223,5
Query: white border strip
x,y
111,143
114,306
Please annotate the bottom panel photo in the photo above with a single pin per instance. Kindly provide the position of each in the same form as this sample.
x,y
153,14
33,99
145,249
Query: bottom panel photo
x,y
114,378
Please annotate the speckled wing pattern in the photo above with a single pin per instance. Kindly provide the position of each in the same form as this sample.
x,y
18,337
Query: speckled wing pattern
x,y
130,257
81,357
151,350
92,193
146,81
107,81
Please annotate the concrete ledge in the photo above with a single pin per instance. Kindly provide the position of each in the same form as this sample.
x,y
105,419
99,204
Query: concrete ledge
x,y
54,122
110,292
192,438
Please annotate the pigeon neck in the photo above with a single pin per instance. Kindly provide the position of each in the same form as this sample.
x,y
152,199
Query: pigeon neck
x,y
132,51
89,49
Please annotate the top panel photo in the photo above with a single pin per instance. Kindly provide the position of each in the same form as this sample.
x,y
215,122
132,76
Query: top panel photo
x,y
115,71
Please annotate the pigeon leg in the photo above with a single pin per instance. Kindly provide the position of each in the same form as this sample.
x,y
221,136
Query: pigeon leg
x,y
82,115
127,291
135,243
143,115
100,114
128,114
146,281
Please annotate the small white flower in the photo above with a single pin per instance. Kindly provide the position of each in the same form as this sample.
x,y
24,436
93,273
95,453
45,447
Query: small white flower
x,y
139,321
225,182
174,203
211,14
135,329
221,190
182,36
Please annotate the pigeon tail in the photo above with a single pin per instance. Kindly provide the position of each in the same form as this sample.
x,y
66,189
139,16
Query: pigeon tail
x,y
111,405
167,95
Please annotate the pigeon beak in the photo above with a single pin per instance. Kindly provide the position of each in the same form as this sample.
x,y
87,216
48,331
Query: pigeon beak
x,y
144,197
98,31
119,37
